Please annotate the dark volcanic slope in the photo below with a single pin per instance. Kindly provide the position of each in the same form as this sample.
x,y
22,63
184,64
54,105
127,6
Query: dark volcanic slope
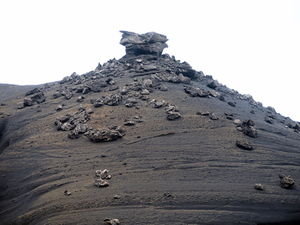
x,y
178,162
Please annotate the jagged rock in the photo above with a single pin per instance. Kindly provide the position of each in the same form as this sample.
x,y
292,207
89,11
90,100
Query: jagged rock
x,y
286,181
112,100
269,120
213,84
112,222
117,197
20,105
158,103
196,92
244,145
184,79
78,130
103,174
97,103
80,99
27,102
171,108
249,129
237,122
229,116
56,94
147,83
203,113
163,88
104,135
67,193
100,183
213,116
67,93
149,43
129,123
69,122
145,92
33,91
173,115
130,102
233,104
259,187
59,108
66,126
36,98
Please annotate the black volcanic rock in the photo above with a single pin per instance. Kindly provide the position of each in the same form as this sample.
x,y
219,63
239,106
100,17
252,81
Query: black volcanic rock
x,y
180,161
149,43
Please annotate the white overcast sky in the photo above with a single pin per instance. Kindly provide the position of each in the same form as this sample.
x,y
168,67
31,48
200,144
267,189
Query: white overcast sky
x,y
252,46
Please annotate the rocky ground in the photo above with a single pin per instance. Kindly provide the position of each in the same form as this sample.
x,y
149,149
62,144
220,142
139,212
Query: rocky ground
x,y
145,140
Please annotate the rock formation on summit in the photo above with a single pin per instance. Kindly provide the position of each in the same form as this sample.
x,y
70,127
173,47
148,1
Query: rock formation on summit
x,y
148,43
145,139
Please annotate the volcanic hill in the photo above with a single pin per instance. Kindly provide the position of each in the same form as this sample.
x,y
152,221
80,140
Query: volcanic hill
x,y
144,139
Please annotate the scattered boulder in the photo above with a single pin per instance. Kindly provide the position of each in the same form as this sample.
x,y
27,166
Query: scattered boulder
x,y
112,100
131,102
36,98
67,93
57,94
105,135
286,182
33,91
213,84
249,129
244,145
269,120
196,92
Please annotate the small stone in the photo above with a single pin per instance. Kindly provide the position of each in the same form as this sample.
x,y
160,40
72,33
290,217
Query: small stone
x,y
233,104
80,99
163,88
237,122
244,145
173,115
213,116
145,92
269,120
112,222
259,187
117,196
129,123
59,108
203,113
67,193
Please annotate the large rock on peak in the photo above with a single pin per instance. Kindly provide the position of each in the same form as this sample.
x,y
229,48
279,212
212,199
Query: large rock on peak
x,y
140,44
